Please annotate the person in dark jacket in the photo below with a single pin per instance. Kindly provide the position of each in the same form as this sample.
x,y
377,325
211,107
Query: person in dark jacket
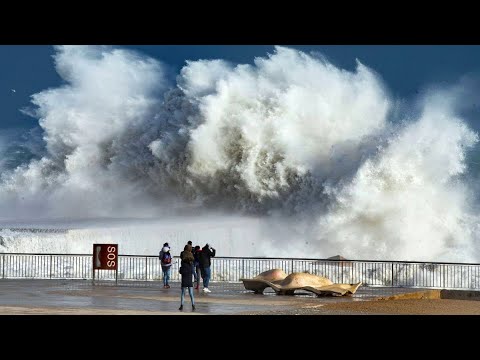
x,y
189,243
196,265
187,274
207,253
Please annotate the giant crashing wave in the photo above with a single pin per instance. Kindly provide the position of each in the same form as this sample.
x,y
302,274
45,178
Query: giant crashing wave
x,y
307,147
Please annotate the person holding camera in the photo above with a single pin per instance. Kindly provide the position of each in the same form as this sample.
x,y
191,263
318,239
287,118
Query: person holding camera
x,y
205,262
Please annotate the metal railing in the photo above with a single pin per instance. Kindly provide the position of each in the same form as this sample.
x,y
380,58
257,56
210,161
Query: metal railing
x,y
232,269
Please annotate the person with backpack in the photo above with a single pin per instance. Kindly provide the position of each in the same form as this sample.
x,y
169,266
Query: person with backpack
x,y
187,274
207,253
166,263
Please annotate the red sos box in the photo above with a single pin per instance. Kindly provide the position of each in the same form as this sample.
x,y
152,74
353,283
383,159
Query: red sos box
x,y
105,256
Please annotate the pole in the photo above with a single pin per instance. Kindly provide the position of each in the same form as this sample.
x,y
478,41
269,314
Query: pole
x,y
146,267
392,274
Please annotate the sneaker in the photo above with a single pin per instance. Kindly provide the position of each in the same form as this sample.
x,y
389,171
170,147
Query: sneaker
x,y
193,307
206,290
180,308
167,286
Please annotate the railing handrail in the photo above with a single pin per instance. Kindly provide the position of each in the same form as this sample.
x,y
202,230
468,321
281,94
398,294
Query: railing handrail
x,y
267,258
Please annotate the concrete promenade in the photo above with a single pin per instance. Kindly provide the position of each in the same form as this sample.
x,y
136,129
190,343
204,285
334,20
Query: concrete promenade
x,y
28,297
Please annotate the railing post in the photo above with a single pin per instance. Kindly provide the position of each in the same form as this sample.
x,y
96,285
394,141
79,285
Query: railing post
x,y
212,268
292,266
243,268
342,271
392,275
3,266
443,276
51,266
146,268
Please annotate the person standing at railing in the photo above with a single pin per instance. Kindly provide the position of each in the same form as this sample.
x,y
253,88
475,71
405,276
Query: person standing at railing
x,y
190,245
186,271
205,262
166,263
196,265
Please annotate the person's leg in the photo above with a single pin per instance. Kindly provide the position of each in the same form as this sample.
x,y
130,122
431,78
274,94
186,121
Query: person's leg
x,y
206,281
198,276
164,271
194,273
202,270
167,277
190,292
182,297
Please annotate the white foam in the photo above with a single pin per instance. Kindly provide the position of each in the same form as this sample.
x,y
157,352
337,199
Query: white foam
x,y
305,146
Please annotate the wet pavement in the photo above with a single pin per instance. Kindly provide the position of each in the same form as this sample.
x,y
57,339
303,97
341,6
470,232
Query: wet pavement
x,y
149,297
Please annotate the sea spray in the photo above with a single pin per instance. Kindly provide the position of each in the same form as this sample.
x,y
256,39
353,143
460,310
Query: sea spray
x,y
308,149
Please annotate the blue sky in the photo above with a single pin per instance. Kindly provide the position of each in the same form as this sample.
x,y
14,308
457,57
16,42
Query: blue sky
x,y
406,70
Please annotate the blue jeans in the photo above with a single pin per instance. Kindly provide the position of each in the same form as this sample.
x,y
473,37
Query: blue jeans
x,y
190,292
166,274
206,278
